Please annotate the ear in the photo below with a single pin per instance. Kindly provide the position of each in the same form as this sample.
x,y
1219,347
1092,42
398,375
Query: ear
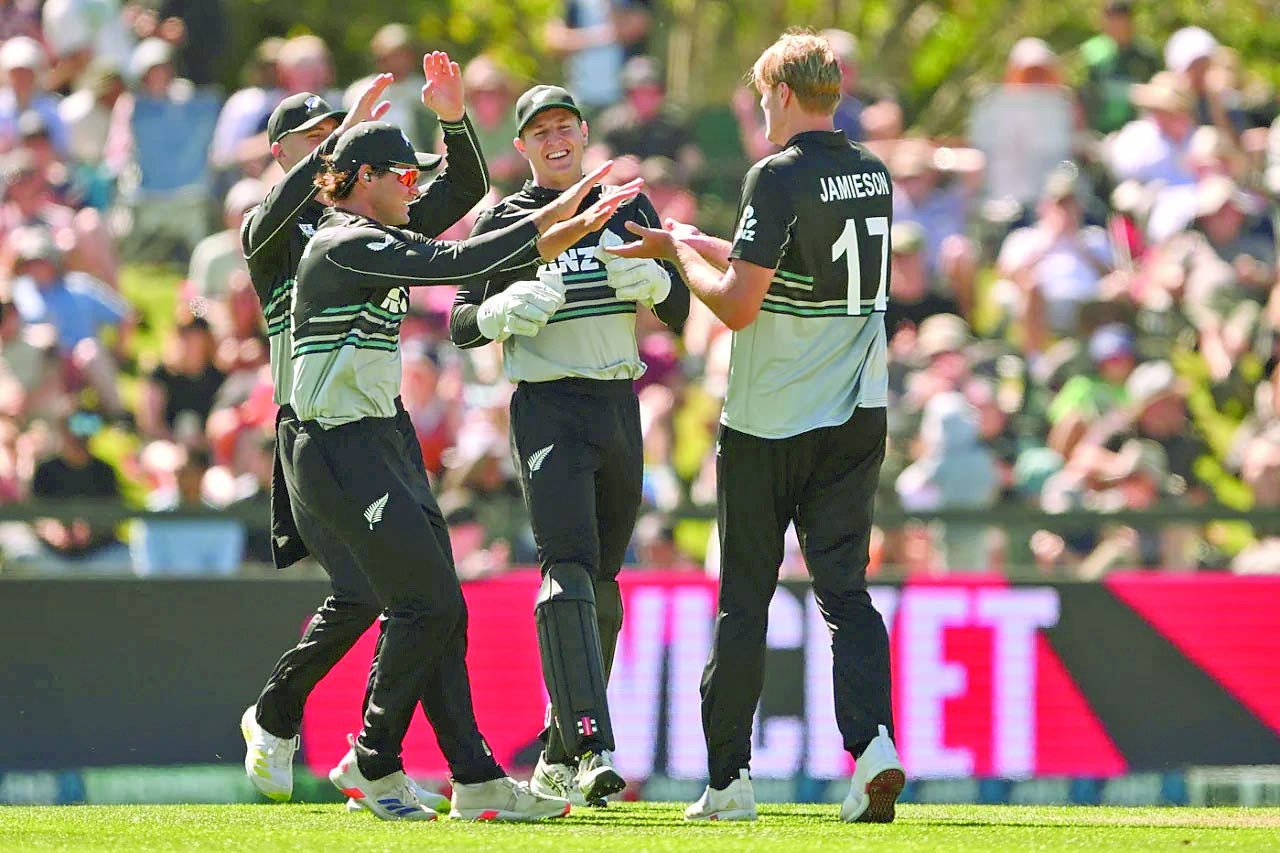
x,y
276,150
520,146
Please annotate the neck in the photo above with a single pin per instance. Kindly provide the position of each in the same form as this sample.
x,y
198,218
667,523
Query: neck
x,y
803,122
358,207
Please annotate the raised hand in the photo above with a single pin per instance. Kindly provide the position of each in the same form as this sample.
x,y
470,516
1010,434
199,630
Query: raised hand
x,y
443,92
368,106
564,234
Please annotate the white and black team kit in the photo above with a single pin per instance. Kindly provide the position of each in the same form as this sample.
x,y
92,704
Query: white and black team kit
x,y
802,434
274,236
575,436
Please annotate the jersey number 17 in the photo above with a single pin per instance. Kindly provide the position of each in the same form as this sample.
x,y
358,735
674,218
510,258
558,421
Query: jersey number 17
x,y
870,294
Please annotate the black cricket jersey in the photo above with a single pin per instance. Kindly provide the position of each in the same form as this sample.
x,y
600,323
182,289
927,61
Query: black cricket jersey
x,y
819,213
351,296
592,336
275,233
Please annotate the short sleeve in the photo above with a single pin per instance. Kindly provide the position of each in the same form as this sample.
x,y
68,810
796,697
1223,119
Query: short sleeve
x,y
765,219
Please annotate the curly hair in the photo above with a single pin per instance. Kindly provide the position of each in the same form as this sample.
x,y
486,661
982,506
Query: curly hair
x,y
334,184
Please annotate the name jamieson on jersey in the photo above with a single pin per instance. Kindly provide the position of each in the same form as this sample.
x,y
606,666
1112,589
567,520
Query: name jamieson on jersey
x,y
844,187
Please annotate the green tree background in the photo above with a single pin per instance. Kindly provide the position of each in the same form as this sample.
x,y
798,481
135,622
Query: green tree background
x,y
934,55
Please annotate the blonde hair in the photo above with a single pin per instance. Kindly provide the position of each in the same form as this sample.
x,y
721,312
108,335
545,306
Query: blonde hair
x,y
804,61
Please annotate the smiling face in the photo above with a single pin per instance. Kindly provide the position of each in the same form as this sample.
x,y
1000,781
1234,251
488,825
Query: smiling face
x,y
553,142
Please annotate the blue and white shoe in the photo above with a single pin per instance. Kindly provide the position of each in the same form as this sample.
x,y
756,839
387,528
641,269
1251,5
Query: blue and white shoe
x,y
390,798
426,796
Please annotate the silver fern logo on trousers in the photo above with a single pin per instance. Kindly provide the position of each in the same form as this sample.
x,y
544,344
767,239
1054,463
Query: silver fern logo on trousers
x,y
538,457
373,512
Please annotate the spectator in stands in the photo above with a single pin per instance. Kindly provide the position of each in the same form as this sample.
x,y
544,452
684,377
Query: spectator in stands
x,y
1090,395
849,111
1114,61
191,546
954,471
80,31
73,472
594,39
30,374
1191,54
914,299
1222,214
935,189
179,394
435,414
23,63
219,255
1153,147
667,188
1055,263
644,125
395,51
491,106
1174,208
163,129
1261,473
1024,127
86,112
239,143
197,29
78,307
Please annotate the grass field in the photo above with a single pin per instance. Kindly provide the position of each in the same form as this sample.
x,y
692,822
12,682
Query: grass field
x,y
639,827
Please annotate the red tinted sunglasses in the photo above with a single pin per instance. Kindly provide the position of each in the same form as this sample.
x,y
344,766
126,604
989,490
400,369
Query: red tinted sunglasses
x,y
407,176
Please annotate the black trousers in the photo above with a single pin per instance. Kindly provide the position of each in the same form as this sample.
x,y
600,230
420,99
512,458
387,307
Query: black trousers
x,y
825,482
369,489
584,494
342,617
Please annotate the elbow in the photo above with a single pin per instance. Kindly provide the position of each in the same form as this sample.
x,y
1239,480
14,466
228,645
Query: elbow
x,y
739,317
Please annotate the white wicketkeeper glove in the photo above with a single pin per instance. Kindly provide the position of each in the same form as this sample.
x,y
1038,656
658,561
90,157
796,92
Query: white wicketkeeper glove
x,y
523,308
633,279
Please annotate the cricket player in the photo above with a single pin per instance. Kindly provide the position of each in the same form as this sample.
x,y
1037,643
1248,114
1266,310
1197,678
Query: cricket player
x,y
302,129
804,287
569,343
345,463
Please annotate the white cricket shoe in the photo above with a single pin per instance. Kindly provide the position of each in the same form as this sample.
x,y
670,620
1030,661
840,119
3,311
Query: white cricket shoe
x,y
390,798
504,799
736,802
556,780
268,760
429,798
596,778
878,779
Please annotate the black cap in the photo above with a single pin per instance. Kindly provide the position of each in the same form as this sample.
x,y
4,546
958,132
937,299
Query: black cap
x,y
302,111
1119,7
376,143
541,98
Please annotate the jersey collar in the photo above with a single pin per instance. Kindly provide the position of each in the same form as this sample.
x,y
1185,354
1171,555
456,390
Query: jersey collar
x,y
831,138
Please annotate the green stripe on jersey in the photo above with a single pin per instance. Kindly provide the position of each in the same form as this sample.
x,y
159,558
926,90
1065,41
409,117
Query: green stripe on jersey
x,y
579,277
799,311
355,343
794,276
595,311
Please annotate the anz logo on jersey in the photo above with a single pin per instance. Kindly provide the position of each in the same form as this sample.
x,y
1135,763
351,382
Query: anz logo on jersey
x,y
577,259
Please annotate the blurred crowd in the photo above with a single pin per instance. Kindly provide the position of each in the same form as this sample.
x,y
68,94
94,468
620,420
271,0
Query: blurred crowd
x,y
1083,311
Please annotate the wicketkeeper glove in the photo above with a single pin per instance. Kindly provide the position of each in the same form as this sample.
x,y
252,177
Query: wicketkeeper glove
x,y
523,308
633,279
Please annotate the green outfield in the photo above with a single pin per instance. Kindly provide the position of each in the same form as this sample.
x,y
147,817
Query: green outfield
x,y
638,827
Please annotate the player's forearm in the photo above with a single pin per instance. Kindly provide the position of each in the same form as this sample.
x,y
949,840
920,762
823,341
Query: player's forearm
x,y
713,250
464,326
706,282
